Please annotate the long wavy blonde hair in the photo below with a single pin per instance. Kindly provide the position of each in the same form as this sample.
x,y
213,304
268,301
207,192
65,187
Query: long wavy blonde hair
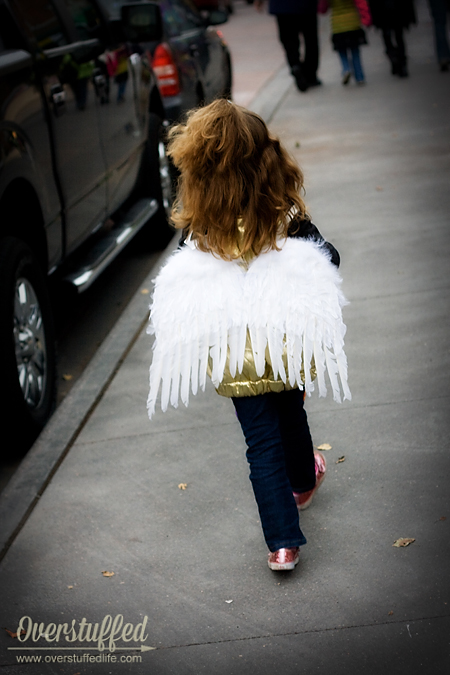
x,y
232,170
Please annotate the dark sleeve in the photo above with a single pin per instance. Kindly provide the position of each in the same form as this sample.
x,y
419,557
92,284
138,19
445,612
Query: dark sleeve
x,y
184,233
305,229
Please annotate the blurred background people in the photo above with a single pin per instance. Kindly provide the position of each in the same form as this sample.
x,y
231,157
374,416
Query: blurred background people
x,y
392,17
439,10
347,35
295,18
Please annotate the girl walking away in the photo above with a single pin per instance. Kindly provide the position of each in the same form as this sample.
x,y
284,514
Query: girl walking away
x,y
252,298
393,16
348,35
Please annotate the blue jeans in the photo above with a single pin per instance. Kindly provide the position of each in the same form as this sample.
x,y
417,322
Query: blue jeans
x,y
281,458
356,62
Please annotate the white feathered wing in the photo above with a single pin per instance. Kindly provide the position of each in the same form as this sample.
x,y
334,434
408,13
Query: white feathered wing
x,y
289,300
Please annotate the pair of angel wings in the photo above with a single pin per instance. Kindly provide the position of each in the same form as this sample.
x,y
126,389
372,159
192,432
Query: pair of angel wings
x,y
289,301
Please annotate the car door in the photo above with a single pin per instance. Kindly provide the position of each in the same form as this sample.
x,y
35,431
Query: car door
x,y
66,67
123,80
120,83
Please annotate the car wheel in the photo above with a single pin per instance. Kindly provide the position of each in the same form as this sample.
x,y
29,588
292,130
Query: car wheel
x,y
157,180
27,346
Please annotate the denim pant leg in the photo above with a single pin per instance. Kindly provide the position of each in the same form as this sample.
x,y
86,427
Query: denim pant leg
x,y
357,65
344,61
297,442
259,418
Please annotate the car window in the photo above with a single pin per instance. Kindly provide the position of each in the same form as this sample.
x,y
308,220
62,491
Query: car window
x,y
192,13
86,18
178,17
41,24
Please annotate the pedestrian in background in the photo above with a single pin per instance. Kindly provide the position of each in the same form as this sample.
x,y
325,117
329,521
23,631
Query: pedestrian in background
x,y
439,10
392,17
295,18
252,297
347,35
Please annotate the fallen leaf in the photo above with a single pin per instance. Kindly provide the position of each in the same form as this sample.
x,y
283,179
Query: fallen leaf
x,y
69,586
390,613
443,518
14,635
108,574
67,377
379,188
341,459
324,446
145,291
182,486
297,144
228,601
400,543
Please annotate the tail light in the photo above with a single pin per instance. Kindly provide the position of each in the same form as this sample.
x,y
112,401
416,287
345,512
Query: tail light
x,y
166,71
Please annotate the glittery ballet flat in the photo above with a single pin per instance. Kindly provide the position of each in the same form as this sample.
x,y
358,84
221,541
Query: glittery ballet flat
x,y
284,559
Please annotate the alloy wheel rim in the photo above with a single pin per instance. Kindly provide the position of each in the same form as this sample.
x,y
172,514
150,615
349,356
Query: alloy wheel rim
x,y
29,341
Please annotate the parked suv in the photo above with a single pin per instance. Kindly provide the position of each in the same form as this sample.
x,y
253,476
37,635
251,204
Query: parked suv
x,y
82,170
191,61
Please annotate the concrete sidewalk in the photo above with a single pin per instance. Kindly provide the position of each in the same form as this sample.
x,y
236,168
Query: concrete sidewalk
x,y
377,166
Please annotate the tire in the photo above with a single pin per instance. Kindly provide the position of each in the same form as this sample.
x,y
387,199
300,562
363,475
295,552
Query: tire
x,y
27,347
156,180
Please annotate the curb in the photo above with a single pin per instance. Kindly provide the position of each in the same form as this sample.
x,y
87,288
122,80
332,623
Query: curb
x,y
271,96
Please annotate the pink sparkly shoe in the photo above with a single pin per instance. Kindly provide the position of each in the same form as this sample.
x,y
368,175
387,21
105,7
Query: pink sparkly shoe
x,y
304,499
284,559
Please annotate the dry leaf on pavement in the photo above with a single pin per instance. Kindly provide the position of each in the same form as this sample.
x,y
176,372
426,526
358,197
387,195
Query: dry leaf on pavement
x,y
324,446
182,486
108,574
400,543
341,459
67,377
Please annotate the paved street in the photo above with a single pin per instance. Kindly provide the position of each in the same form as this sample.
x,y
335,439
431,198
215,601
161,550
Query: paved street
x,y
96,520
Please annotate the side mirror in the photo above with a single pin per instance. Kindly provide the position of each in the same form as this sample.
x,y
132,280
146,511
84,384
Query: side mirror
x,y
215,17
142,22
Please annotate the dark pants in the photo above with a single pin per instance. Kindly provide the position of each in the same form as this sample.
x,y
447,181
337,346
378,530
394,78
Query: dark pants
x,y
439,10
281,458
289,28
398,49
